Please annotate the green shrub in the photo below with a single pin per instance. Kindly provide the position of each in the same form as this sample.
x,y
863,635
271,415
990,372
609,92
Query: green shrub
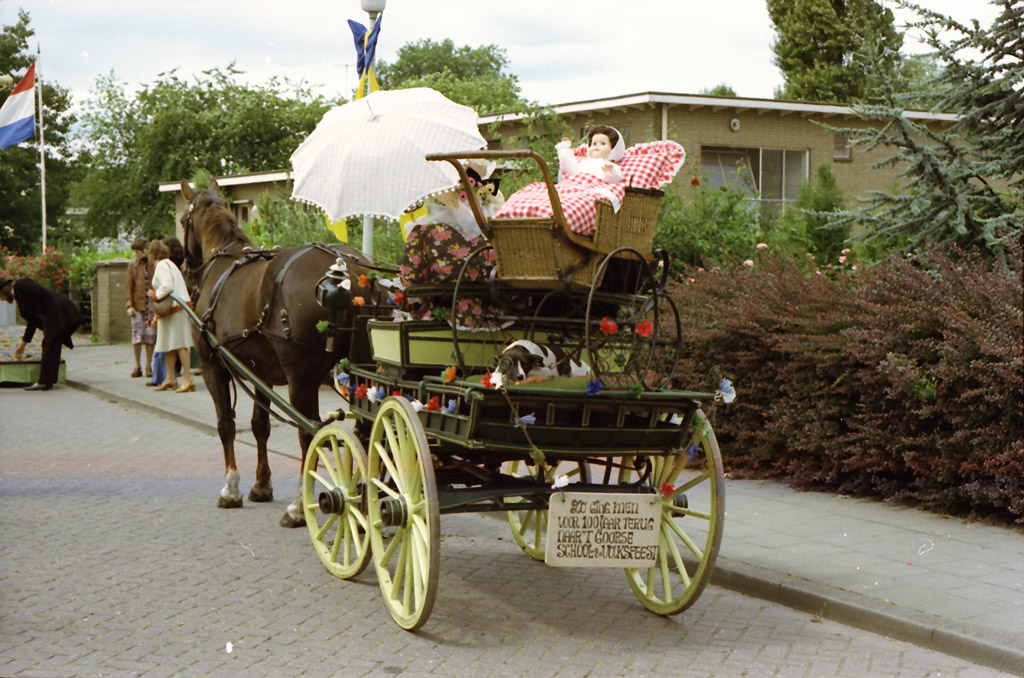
x,y
901,380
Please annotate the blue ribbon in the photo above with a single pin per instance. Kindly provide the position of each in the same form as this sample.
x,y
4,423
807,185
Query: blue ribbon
x,y
365,45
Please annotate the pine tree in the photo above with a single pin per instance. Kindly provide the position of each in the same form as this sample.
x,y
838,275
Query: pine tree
x,y
960,184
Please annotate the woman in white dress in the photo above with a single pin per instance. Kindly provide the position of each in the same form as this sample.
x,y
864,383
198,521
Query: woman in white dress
x,y
173,332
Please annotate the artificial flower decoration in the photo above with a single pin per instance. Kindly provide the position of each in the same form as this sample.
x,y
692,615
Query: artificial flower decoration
x,y
667,489
416,405
594,387
322,326
343,364
343,380
727,391
396,393
527,420
361,391
537,455
449,374
371,395
693,452
358,301
492,380
636,389
434,404
450,407
399,298
609,326
351,391
560,481
645,329
486,381
675,420
364,281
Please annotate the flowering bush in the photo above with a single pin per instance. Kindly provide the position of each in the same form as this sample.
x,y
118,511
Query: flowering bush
x,y
50,269
901,380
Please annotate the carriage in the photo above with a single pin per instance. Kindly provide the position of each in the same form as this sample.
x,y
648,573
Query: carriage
x,y
619,468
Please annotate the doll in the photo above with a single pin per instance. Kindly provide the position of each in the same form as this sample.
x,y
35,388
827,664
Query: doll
x,y
604,150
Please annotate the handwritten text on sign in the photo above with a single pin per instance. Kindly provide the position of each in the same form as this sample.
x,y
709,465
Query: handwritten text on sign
x,y
602,530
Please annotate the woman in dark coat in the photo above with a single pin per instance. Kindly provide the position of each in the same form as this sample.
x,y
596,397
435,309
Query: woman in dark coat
x,y
49,311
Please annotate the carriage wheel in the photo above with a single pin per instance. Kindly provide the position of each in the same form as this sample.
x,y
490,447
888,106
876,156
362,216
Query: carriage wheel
x,y
403,514
530,526
333,486
622,335
491,325
692,516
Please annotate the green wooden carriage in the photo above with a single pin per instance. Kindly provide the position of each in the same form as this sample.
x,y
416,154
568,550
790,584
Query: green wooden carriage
x,y
616,469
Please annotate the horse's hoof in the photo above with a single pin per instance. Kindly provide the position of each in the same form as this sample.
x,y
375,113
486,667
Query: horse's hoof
x,y
288,521
224,502
261,494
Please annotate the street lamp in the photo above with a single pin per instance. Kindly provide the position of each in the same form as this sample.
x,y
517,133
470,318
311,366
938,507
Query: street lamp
x,y
373,8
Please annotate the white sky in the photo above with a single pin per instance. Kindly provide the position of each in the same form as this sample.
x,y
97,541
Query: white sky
x,y
561,50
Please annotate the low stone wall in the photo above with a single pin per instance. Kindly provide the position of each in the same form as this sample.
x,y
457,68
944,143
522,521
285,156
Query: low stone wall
x,y
109,319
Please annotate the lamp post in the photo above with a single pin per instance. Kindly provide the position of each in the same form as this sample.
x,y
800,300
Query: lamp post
x,y
373,8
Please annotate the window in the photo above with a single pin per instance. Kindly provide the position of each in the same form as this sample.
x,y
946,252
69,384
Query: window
x,y
842,149
771,176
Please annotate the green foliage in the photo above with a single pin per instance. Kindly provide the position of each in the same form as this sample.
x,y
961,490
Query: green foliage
x,y
819,199
172,128
959,184
20,196
818,43
285,223
50,269
900,380
720,90
475,77
707,226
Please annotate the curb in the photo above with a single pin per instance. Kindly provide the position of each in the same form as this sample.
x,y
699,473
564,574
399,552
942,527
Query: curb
x,y
932,632
980,646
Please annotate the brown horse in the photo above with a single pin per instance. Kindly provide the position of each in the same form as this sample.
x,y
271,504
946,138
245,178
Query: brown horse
x,y
262,306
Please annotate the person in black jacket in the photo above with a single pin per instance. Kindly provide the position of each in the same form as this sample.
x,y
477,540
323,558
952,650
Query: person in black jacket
x,y
49,311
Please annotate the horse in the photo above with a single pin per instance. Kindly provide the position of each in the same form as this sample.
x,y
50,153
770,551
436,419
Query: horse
x,y
261,305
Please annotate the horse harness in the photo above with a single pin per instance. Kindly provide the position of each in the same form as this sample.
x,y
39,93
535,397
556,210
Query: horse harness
x,y
252,256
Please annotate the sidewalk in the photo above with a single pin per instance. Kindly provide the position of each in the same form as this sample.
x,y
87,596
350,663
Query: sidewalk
x,y
938,582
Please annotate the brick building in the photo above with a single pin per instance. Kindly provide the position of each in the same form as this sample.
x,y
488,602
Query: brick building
x,y
768,146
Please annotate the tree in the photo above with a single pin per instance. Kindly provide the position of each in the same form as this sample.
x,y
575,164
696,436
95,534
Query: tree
x,y
962,184
172,128
20,195
474,77
818,43
720,90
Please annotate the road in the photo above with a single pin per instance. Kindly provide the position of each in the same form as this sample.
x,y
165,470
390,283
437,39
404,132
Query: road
x,y
115,562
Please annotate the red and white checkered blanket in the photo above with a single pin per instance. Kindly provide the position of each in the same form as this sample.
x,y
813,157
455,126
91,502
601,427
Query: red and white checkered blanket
x,y
577,194
650,165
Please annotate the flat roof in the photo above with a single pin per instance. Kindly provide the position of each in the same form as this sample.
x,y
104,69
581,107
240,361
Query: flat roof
x,y
693,101
235,180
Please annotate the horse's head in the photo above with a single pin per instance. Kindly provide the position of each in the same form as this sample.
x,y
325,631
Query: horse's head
x,y
208,224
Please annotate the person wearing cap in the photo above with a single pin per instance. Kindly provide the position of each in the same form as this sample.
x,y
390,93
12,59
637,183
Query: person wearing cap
x,y
49,311
139,308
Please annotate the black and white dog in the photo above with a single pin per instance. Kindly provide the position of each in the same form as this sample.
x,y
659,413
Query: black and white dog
x,y
524,360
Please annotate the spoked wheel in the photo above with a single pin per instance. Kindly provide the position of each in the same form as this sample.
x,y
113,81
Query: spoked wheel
x,y
333,486
403,515
623,325
692,486
530,525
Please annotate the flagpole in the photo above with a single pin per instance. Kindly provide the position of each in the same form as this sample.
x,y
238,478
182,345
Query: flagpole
x,y
42,147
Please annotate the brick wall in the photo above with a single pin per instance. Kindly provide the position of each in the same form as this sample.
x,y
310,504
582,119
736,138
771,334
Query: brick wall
x,y
109,319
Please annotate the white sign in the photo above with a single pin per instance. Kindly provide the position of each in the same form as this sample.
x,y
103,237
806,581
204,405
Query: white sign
x,y
602,530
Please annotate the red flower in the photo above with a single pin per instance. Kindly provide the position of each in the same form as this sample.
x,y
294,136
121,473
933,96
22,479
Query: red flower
x,y
399,298
486,381
695,181
361,391
433,404
645,329
397,394
609,326
667,489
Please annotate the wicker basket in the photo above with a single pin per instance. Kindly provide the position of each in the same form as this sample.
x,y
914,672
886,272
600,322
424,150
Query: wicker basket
x,y
540,252
633,225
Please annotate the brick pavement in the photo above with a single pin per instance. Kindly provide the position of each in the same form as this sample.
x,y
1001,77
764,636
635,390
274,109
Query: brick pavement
x,y
114,562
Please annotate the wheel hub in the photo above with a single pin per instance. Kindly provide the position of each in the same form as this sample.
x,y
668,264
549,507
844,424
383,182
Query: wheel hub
x,y
393,512
331,501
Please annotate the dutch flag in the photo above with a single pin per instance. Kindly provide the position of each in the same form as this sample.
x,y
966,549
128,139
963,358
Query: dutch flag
x,y
18,115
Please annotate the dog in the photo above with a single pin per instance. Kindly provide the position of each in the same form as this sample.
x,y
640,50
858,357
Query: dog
x,y
526,361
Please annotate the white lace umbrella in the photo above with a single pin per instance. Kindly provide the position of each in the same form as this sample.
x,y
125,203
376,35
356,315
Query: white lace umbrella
x,y
367,156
